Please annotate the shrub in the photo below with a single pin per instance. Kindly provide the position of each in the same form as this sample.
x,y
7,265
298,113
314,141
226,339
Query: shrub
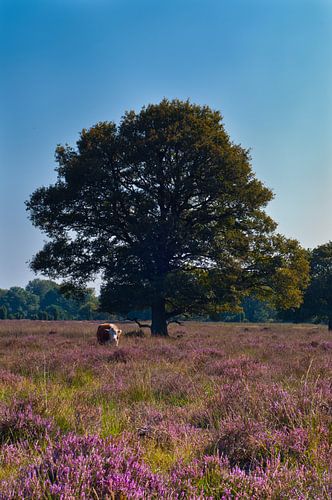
x,y
20,423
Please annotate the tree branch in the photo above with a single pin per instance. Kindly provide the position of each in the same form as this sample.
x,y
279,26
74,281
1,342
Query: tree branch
x,y
174,321
141,325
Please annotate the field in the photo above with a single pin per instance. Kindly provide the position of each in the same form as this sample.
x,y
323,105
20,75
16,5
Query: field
x,y
214,411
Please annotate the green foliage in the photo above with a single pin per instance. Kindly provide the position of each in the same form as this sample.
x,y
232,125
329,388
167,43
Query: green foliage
x,y
257,311
317,304
19,303
3,312
169,211
252,310
43,299
40,287
43,315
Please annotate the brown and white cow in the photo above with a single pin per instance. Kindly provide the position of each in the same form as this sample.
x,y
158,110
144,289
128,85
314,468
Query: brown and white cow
x,y
108,333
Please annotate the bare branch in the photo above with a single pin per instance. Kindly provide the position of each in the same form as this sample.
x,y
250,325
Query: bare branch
x,y
174,321
141,325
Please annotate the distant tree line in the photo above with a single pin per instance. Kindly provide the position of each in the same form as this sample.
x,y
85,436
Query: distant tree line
x,y
252,310
317,301
42,299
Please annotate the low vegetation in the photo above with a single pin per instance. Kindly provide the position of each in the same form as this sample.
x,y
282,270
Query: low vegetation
x,y
213,411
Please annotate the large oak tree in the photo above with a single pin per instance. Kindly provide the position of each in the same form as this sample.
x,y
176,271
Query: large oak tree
x,y
167,208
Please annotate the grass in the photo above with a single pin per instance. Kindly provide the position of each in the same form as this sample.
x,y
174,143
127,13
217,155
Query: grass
x,y
248,396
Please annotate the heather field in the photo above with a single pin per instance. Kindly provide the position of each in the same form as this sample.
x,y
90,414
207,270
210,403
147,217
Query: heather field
x,y
214,411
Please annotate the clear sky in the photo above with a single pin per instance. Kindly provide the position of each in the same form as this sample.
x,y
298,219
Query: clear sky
x,y
266,64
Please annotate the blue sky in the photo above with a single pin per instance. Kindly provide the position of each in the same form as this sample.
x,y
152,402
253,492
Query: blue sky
x,y
66,64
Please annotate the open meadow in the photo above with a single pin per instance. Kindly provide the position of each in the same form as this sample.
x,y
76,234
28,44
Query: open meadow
x,y
214,411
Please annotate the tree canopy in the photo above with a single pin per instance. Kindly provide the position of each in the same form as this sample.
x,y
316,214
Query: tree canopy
x,y
42,299
167,208
317,304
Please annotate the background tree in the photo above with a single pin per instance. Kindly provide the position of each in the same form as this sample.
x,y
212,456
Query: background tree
x,y
3,312
44,299
317,304
169,211
19,303
41,287
258,311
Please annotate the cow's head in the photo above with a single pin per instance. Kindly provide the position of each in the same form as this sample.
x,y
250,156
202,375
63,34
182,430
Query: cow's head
x,y
115,335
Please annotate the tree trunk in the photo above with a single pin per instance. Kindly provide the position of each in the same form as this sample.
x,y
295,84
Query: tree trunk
x,y
159,323
330,324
